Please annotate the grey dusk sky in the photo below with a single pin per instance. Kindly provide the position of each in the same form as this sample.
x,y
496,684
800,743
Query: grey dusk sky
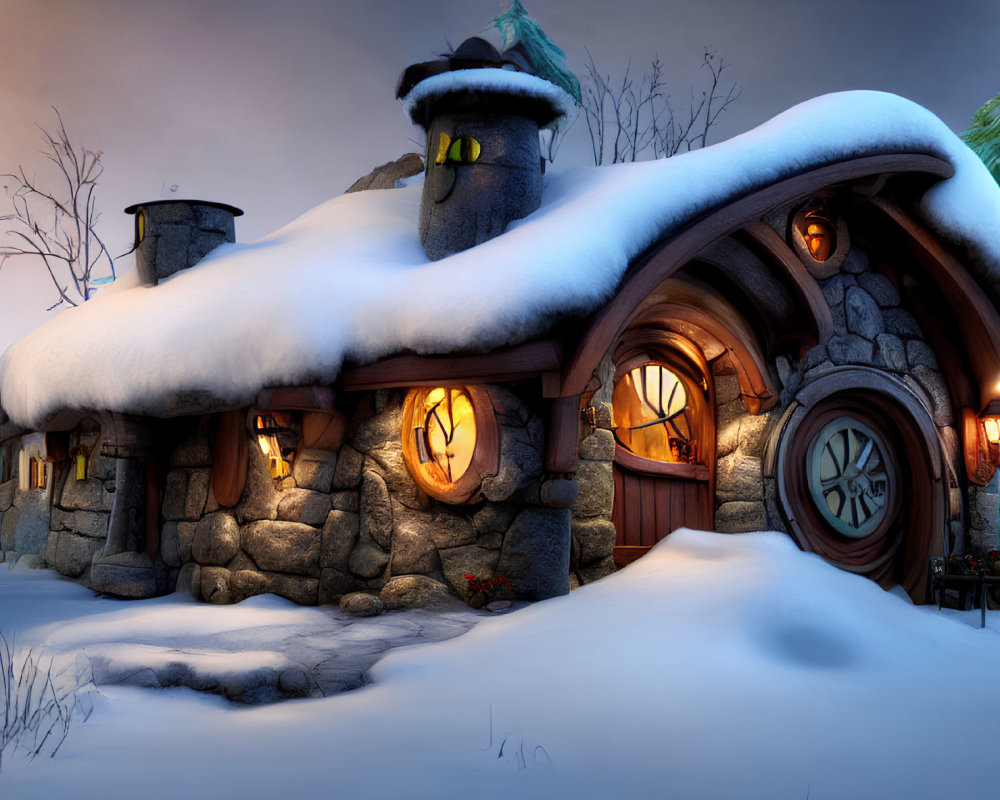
x,y
278,106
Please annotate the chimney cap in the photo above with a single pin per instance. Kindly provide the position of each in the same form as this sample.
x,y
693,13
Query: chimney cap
x,y
478,77
236,212
500,91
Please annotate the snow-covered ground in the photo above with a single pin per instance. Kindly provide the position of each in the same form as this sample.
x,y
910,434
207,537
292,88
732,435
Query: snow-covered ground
x,y
718,666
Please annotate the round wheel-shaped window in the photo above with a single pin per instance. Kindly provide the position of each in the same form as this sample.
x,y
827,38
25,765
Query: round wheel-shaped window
x,y
851,477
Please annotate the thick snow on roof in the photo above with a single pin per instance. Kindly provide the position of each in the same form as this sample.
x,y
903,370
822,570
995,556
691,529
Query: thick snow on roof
x,y
348,280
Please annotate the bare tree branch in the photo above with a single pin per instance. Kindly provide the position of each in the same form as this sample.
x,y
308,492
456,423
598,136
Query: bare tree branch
x,y
66,242
635,119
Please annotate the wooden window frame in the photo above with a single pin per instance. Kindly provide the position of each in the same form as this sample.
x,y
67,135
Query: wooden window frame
x,y
485,456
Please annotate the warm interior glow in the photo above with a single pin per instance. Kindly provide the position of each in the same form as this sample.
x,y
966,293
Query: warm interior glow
x,y
37,480
268,443
651,416
447,436
81,467
819,237
992,426
444,142
463,150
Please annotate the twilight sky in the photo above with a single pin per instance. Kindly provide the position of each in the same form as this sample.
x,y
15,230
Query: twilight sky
x,y
278,106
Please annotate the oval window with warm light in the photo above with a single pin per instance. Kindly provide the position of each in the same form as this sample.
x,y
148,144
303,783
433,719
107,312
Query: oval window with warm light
x,y
446,435
651,415
820,237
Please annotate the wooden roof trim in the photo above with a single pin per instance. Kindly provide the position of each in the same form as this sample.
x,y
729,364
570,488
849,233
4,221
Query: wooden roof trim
x,y
756,388
291,398
666,257
806,289
978,321
511,363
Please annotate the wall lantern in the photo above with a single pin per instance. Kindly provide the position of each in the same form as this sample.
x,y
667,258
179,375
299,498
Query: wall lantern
x,y
450,440
277,441
981,435
991,427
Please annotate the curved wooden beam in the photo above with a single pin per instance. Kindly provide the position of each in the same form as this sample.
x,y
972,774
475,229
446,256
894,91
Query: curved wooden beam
x,y
667,256
803,285
975,315
756,388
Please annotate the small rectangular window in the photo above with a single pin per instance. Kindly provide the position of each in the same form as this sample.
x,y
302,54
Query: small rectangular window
x,y
38,474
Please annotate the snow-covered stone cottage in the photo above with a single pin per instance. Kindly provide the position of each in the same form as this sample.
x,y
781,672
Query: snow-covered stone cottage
x,y
501,372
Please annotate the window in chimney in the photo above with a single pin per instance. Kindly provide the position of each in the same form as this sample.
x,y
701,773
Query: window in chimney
x,y
463,150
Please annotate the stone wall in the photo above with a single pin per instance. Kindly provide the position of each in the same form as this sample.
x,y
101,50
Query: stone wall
x,y
354,520
80,511
740,441
24,515
593,530
871,328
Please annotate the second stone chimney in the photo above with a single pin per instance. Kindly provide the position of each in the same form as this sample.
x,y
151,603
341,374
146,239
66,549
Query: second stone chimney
x,y
171,235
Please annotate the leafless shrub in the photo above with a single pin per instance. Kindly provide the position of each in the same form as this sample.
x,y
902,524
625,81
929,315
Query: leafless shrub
x,y
634,119
57,225
40,700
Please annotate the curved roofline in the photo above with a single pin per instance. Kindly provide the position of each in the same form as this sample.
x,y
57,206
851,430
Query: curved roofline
x,y
671,252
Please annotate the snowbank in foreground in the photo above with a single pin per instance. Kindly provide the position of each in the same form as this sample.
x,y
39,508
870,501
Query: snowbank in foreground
x,y
719,666
349,280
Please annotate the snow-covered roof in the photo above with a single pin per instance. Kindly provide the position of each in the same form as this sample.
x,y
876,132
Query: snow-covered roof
x,y
348,280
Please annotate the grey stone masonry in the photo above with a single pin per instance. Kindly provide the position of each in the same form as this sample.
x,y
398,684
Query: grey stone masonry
x,y
176,234
871,328
593,542
740,441
355,520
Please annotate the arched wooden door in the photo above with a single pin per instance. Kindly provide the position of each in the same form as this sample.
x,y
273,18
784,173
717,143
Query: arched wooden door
x,y
665,452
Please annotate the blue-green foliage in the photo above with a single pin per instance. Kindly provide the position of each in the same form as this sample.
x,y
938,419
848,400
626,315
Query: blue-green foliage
x,y
547,57
983,136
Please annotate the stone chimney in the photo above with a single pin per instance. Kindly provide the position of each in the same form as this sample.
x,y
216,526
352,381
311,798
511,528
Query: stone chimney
x,y
482,111
171,235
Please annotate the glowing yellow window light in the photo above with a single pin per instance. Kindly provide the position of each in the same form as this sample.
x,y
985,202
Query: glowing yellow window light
x,y
81,467
464,149
269,446
37,477
447,437
819,236
992,427
650,414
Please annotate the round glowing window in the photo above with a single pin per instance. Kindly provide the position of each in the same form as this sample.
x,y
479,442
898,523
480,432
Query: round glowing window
x,y
447,435
651,415
820,237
